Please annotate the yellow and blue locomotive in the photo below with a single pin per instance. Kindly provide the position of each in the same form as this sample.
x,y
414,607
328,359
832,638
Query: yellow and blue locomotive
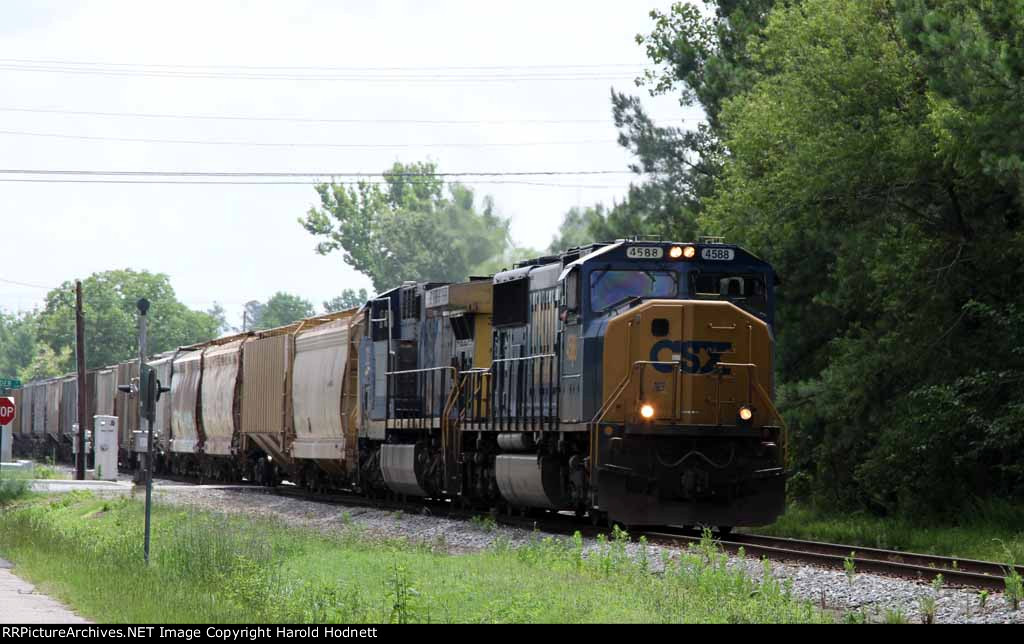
x,y
629,380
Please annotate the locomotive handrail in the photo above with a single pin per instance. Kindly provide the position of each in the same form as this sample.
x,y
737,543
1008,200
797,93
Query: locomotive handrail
x,y
422,393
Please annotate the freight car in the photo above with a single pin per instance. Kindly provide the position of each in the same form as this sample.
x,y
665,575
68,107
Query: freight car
x,y
631,381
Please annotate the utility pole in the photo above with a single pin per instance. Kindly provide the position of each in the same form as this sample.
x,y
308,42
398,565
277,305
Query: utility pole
x,y
83,393
144,378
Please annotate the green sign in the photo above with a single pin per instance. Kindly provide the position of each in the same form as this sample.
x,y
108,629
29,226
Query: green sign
x,y
10,383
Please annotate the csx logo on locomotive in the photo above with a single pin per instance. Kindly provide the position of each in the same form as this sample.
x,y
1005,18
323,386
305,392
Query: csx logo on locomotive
x,y
689,355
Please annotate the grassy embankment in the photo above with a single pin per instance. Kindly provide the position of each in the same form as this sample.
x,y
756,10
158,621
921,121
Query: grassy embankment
x,y
14,483
992,532
214,568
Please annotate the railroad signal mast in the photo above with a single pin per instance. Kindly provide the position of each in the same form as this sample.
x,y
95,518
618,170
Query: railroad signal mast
x,y
148,391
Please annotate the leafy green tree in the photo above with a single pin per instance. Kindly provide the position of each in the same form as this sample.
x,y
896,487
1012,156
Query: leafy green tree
x,y
349,299
46,363
17,342
864,164
282,309
111,328
413,227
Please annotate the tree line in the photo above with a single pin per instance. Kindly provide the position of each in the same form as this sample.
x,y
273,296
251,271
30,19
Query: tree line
x,y
40,343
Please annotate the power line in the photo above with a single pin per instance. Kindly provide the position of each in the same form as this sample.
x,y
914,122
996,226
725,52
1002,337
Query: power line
x,y
363,78
298,119
179,173
350,146
302,183
7,281
32,61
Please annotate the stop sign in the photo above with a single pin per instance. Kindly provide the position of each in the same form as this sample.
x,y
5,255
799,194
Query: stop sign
x,y
6,411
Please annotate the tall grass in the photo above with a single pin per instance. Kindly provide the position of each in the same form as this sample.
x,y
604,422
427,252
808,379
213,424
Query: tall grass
x,y
213,568
992,531
11,490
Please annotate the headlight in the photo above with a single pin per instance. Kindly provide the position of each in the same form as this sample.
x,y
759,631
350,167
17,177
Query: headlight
x,y
745,414
682,252
647,411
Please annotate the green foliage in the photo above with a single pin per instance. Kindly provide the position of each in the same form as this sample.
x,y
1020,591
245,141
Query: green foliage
x,y
212,568
349,299
280,310
111,329
12,489
413,227
988,532
484,523
895,616
928,606
862,163
17,342
46,363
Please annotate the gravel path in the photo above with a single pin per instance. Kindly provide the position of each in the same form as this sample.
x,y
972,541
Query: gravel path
x,y
869,597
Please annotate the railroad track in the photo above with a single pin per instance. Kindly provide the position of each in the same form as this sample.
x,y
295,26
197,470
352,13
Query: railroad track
x,y
968,573
955,572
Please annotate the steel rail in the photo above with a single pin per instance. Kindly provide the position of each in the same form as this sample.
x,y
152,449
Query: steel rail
x,y
922,567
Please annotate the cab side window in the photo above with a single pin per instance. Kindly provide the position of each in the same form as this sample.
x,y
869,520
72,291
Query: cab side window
x,y
747,291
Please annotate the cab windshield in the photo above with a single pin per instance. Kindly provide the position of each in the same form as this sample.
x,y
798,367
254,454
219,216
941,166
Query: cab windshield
x,y
611,287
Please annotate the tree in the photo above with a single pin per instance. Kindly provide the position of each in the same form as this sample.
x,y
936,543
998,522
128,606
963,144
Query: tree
x,y
46,363
251,315
413,227
863,161
283,309
218,313
111,330
349,299
17,342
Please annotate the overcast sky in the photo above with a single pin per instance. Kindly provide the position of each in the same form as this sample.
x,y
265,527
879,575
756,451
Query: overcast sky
x,y
235,243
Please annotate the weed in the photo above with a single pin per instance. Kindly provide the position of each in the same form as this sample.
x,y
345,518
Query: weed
x,y
895,616
856,617
850,567
928,607
983,600
400,596
1014,588
484,523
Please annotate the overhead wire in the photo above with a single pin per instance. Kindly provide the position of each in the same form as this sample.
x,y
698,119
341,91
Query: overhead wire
x,y
300,119
351,146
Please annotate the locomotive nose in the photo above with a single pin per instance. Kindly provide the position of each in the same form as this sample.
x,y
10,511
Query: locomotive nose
x,y
688,362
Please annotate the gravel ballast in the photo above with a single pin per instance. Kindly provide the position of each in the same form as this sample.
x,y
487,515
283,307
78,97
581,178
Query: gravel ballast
x,y
866,596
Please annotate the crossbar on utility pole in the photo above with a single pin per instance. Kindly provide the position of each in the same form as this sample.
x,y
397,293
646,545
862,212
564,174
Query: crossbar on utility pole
x,y
83,388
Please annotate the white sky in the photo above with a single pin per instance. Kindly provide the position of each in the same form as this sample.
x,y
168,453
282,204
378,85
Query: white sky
x,y
233,244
